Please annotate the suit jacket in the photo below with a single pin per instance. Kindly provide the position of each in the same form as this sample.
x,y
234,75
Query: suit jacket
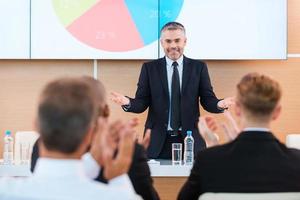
x,y
152,93
254,162
139,173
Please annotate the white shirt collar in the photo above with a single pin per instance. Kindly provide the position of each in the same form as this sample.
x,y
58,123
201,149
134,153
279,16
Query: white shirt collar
x,y
54,168
170,62
256,129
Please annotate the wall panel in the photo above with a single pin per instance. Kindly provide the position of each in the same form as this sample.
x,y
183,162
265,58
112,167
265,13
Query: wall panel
x,y
293,26
21,83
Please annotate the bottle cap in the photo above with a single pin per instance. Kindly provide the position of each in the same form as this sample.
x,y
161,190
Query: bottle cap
x,y
189,133
7,132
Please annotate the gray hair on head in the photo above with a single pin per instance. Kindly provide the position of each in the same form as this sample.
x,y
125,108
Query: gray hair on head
x,y
172,26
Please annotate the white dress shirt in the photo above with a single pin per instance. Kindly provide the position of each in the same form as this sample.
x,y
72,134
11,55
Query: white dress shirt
x,y
256,129
170,70
90,166
64,179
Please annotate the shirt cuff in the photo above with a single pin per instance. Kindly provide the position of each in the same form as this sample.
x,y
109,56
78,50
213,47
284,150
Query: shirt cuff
x,y
126,107
90,166
219,108
122,182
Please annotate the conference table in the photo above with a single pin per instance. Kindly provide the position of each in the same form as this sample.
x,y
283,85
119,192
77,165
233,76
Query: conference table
x,y
168,178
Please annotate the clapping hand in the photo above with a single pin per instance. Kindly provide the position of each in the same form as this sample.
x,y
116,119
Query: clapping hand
x,y
112,147
207,126
117,165
145,140
232,130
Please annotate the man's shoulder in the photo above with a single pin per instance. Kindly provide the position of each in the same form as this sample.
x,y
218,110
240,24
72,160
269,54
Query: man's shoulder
x,y
12,187
194,61
8,184
294,154
186,60
95,189
155,62
32,188
215,150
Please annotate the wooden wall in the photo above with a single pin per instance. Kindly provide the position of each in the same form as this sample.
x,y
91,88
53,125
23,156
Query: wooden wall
x,y
22,80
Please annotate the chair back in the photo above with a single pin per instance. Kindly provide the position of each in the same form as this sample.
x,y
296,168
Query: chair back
x,y
251,196
293,141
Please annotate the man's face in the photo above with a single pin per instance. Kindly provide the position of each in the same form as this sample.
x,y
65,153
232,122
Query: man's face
x,y
173,42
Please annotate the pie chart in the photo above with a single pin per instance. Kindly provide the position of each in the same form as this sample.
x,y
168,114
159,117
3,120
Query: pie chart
x,y
116,25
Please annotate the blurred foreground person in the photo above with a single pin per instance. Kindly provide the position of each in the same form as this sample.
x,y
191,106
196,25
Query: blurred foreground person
x,y
68,120
139,172
255,161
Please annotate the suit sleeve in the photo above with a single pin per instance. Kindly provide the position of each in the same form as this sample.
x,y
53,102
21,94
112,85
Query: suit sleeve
x,y
34,155
208,98
192,188
139,174
143,95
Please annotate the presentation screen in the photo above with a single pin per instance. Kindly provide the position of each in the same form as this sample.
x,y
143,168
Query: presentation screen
x,y
129,29
15,29
235,29
97,29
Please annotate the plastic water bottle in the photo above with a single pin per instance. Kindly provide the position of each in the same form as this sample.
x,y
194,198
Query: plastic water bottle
x,y
188,148
8,145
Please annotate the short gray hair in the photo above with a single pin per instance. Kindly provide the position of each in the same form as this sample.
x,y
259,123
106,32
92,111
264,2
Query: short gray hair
x,y
172,26
66,112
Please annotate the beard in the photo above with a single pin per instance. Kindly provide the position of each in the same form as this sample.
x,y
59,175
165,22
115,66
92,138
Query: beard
x,y
174,53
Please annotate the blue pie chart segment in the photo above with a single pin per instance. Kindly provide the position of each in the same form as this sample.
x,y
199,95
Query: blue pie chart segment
x,y
169,11
146,15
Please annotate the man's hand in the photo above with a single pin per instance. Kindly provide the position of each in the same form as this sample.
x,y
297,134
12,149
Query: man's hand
x,y
144,141
119,99
96,143
104,142
117,165
226,103
207,126
231,130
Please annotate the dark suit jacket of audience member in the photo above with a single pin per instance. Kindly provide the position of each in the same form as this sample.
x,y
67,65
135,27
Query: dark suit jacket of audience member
x,y
139,173
254,162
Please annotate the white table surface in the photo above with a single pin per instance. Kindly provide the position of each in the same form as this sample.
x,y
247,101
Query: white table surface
x,y
162,168
165,169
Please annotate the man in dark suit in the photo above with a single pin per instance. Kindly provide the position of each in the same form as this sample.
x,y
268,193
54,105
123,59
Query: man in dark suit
x,y
255,161
139,172
170,87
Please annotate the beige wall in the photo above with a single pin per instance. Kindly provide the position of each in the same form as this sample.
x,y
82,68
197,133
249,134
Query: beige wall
x,y
22,80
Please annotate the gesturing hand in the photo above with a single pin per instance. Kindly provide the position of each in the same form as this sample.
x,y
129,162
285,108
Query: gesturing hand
x,y
119,99
226,103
